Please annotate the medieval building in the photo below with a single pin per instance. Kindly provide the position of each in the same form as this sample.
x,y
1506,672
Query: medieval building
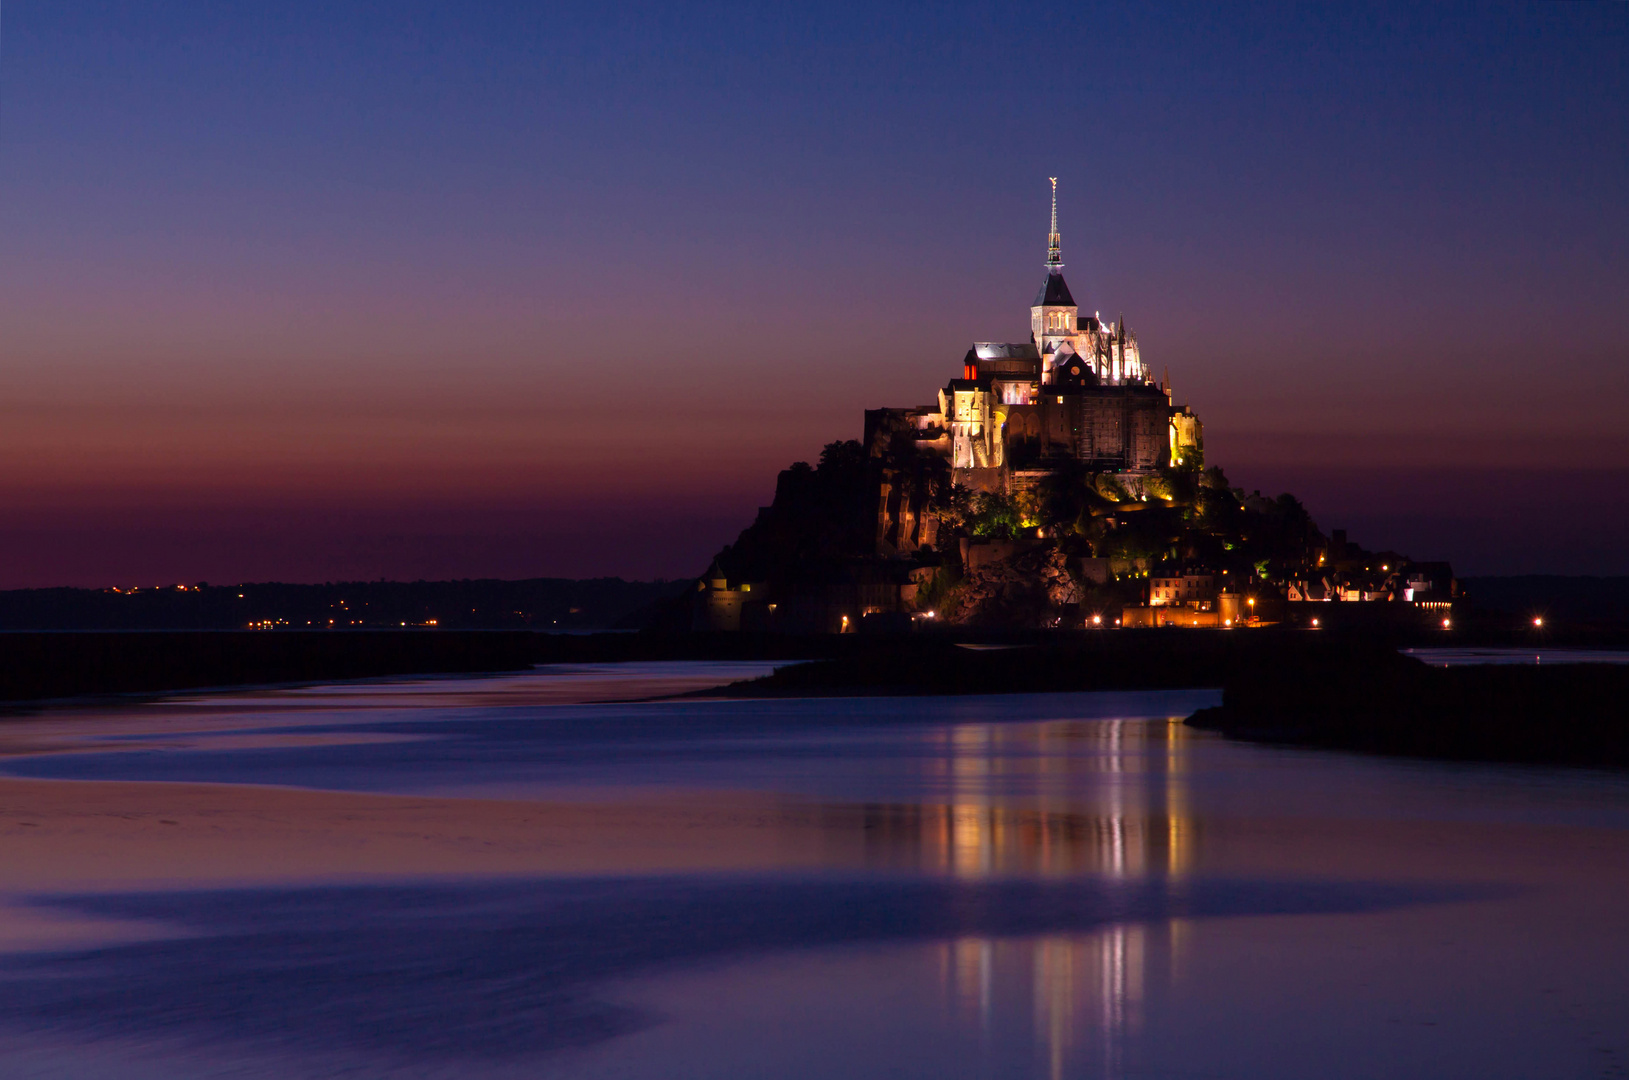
x,y
1053,474
1078,390
857,538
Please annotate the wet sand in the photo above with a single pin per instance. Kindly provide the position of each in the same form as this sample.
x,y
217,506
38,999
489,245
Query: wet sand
x,y
61,835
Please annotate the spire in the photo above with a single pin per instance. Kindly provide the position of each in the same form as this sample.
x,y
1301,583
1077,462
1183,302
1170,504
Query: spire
x,y
1054,242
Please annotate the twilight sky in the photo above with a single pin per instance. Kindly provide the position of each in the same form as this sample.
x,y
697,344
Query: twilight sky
x,y
344,289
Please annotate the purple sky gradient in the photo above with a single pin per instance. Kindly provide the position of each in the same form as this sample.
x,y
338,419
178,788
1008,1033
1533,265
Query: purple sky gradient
x,y
315,291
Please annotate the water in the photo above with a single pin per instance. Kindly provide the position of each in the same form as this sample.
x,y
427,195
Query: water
x,y
521,877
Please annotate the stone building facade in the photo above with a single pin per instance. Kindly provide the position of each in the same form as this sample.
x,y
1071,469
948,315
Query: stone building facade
x,y
1077,393
1078,389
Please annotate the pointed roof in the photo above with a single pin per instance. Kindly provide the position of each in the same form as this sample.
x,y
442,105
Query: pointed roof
x,y
1054,292
1054,241
1004,350
1072,370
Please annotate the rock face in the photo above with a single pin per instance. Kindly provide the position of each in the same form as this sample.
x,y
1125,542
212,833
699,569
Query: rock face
x,y
1030,590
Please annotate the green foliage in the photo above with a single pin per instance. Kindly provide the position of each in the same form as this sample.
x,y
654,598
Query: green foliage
x,y
996,516
1182,485
824,517
1111,489
1152,533
1066,498
939,591
1158,487
954,505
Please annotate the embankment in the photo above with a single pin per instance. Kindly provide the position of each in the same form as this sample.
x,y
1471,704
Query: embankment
x,y
1565,714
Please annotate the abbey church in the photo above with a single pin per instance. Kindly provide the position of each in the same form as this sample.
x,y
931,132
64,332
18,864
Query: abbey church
x,y
1069,418
1054,484
1078,389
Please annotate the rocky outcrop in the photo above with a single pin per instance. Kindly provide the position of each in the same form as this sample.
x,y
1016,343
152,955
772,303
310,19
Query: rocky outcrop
x,y
1029,590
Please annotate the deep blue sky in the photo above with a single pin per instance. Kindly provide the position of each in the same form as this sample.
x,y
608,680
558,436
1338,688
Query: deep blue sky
x,y
316,290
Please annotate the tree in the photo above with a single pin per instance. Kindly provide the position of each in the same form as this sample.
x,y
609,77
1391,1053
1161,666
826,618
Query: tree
x,y
1111,489
996,516
1066,498
954,505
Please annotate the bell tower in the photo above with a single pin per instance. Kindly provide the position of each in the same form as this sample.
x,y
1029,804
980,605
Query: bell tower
x,y
1052,316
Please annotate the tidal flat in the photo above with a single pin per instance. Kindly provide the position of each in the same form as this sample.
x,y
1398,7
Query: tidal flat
x,y
538,875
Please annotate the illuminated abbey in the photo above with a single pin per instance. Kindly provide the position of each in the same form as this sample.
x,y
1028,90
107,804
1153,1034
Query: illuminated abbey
x,y
1055,483
1077,390
1048,467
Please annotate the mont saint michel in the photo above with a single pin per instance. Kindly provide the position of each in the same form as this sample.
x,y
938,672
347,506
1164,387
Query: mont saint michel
x,y
1051,483
550,541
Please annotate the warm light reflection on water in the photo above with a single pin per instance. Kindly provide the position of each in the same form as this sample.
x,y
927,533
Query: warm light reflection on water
x,y
289,884
985,831
1084,991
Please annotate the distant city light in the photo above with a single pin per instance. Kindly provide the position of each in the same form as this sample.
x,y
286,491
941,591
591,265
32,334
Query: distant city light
x,y
1538,620
1446,623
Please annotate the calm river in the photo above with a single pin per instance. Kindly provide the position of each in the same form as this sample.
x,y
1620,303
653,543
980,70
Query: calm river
x,y
518,877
